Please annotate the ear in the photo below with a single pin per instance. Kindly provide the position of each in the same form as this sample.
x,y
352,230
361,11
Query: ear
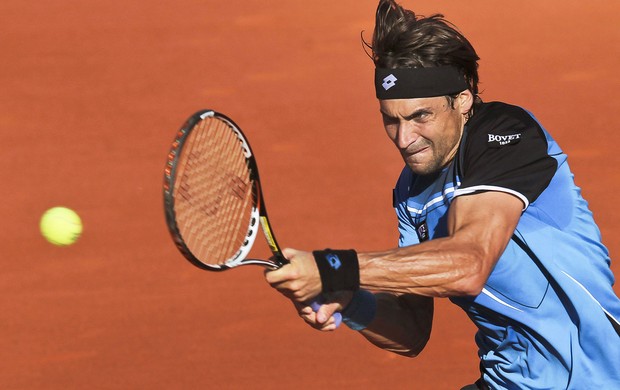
x,y
465,101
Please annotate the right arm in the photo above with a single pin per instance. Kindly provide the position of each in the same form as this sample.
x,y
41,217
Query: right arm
x,y
406,318
402,322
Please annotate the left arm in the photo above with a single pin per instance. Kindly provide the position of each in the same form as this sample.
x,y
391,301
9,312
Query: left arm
x,y
480,226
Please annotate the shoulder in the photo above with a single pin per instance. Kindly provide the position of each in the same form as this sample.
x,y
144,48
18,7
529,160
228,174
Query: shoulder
x,y
498,111
505,149
501,123
505,128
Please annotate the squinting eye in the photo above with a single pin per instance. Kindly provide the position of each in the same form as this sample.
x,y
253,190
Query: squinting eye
x,y
422,116
388,120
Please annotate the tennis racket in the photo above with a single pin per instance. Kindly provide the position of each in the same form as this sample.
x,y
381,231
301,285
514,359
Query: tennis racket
x,y
213,199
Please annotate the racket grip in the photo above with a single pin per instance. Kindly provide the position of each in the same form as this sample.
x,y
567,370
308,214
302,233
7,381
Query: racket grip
x,y
316,304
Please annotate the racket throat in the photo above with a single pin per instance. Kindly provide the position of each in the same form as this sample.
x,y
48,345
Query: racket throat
x,y
271,240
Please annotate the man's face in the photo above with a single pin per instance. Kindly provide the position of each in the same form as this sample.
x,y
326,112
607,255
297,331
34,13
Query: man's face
x,y
427,131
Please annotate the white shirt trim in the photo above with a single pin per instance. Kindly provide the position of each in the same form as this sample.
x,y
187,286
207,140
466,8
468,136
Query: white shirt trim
x,y
591,296
431,202
471,190
496,299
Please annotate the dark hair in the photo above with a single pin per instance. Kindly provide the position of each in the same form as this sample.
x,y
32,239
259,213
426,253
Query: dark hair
x,y
402,40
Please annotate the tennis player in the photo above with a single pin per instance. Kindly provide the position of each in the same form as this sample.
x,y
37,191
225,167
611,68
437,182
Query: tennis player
x,y
489,216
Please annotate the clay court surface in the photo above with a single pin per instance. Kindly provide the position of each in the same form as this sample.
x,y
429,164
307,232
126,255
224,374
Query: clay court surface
x,y
92,93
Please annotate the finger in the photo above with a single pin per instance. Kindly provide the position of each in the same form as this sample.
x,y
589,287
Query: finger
x,y
328,326
326,313
289,253
310,317
291,290
302,308
274,276
306,312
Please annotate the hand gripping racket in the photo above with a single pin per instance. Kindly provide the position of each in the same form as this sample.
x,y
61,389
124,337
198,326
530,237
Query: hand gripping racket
x,y
212,197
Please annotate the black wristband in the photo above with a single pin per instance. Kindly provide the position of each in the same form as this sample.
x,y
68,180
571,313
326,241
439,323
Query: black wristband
x,y
339,269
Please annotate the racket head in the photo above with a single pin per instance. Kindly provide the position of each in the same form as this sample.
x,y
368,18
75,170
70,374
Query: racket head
x,y
212,197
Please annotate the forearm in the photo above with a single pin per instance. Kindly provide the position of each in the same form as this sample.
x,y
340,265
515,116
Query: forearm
x,y
479,226
402,324
438,268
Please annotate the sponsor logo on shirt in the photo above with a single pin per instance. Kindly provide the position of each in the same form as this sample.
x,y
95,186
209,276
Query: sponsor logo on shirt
x,y
501,140
422,230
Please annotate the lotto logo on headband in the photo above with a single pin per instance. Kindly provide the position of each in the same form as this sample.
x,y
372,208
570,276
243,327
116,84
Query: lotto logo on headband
x,y
389,82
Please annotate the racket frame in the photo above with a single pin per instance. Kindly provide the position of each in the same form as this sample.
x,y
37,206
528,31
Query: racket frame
x,y
258,211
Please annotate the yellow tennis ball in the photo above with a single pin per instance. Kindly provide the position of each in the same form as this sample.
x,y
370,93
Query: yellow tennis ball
x,y
61,226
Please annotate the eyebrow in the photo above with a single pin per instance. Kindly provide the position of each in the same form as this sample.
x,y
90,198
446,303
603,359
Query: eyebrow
x,y
416,113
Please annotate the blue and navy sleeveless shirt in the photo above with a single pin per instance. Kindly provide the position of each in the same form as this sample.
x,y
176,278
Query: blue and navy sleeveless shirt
x,y
547,317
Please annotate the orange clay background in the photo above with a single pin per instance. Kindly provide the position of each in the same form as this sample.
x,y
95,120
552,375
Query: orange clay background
x,y
92,93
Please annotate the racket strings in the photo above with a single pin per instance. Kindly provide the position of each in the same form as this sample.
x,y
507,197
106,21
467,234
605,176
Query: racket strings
x,y
230,234
237,183
218,236
214,192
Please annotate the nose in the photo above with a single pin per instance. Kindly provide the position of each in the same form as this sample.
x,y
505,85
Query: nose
x,y
406,135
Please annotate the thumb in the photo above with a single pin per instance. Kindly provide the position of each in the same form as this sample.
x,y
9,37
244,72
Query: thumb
x,y
326,311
